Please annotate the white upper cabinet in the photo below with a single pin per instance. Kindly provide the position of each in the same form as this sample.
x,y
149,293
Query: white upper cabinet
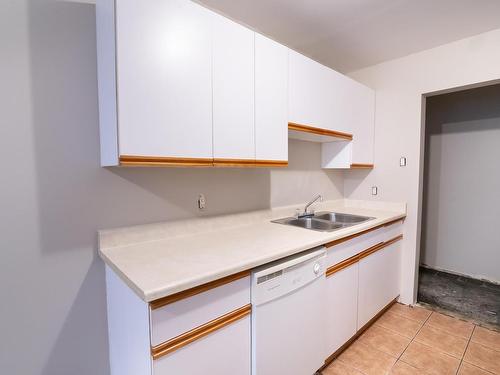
x,y
233,90
362,119
316,95
164,73
310,92
182,85
271,100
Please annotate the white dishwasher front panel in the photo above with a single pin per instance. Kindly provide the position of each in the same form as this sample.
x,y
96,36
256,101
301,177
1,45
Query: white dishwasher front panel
x,y
287,316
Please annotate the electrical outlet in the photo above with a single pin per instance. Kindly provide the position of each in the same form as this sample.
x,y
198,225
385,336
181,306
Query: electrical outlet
x,y
402,161
202,202
374,190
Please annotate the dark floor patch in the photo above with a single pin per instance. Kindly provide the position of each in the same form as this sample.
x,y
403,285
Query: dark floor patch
x,y
472,299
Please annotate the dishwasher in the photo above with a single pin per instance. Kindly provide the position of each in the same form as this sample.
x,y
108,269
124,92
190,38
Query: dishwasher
x,y
288,304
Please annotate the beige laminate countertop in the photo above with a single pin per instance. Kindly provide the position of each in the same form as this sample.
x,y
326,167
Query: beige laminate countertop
x,y
158,260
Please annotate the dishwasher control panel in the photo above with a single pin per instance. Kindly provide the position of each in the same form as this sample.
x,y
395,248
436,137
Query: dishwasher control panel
x,y
282,277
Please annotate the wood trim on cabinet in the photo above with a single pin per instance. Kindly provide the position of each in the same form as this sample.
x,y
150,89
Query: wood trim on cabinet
x,y
356,258
161,161
319,131
361,166
379,246
358,333
350,237
249,163
197,333
219,162
371,250
156,304
340,266
271,163
393,240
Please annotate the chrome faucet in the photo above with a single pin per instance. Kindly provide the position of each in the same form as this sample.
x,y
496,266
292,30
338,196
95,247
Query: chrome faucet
x,y
306,213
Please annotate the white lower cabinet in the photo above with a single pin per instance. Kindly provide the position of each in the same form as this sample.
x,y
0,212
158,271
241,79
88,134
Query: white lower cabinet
x,y
225,351
207,329
378,281
342,306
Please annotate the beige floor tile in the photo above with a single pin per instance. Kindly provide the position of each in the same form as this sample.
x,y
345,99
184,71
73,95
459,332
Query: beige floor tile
x,y
442,341
366,359
451,325
339,368
414,313
483,357
486,337
398,324
384,340
401,368
467,369
430,360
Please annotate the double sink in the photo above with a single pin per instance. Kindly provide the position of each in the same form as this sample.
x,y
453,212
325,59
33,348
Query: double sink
x,y
324,221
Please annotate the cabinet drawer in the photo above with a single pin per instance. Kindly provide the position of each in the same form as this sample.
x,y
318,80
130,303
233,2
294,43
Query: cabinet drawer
x,y
183,315
347,249
223,352
393,230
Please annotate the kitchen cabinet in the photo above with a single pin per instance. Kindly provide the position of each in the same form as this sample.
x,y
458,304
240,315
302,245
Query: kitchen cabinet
x,y
378,281
341,307
233,91
180,85
324,99
362,119
315,95
209,323
155,90
362,278
226,351
271,100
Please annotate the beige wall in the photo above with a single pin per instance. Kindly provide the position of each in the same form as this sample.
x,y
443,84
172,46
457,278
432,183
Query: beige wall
x,y
462,184
400,85
54,196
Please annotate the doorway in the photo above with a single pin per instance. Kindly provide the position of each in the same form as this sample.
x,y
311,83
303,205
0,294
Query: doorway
x,y
460,228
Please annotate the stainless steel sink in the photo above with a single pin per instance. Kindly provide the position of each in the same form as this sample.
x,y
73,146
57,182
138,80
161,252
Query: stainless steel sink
x,y
310,223
324,221
341,218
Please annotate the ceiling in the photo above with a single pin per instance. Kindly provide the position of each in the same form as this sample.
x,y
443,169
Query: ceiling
x,y
351,34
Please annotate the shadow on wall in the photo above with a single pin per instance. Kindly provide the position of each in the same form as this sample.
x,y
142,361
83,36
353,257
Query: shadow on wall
x,y
75,197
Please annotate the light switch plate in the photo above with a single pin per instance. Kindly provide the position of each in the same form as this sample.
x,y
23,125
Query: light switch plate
x,y
402,161
374,190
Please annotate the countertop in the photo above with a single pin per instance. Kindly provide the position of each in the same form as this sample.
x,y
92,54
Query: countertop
x,y
157,260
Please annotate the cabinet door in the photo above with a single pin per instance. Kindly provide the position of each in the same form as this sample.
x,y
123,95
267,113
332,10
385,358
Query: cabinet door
x,y
309,92
317,95
223,352
164,78
362,118
378,281
271,99
342,306
233,90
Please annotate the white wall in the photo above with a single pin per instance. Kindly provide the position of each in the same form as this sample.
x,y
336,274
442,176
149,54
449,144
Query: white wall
x,y
400,84
461,198
54,196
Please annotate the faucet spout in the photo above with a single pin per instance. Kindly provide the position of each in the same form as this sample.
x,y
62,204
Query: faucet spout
x,y
306,213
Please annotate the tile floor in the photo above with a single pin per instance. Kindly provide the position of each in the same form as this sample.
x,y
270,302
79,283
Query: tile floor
x,y
408,341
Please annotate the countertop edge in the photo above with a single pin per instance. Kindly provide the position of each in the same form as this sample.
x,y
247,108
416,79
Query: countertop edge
x,y
218,274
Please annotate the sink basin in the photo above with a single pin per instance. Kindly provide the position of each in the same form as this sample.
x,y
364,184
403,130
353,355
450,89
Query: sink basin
x,y
324,221
341,218
313,223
